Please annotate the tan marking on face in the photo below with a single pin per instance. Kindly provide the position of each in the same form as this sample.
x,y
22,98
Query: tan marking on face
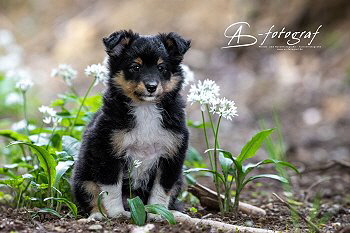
x,y
160,61
170,85
128,87
125,41
138,61
94,190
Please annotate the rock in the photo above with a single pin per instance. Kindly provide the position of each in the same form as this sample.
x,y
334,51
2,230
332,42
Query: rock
x,y
59,229
249,223
144,229
336,225
95,227
84,220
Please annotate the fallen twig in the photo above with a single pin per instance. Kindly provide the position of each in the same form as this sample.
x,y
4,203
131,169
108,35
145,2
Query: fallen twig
x,y
311,224
184,218
208,198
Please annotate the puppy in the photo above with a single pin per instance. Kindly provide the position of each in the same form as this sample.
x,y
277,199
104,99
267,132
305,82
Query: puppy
x,y
142,118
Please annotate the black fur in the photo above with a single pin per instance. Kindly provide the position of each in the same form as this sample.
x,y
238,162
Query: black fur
x,y
97,162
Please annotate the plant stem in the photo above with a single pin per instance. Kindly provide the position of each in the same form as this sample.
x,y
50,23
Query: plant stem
x,y
216,165
236,203
207,142
52,134
129,173
210,119
21,194
25,111
81,106
41,130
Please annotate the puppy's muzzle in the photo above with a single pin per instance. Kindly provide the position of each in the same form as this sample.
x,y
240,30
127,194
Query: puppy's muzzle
x,y
151,86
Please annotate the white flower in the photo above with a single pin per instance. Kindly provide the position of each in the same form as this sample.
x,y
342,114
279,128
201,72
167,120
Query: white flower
x,y
13,98
203,93
49,115
188,75
98,72
21,125
66,72
24,84
224,107
137,163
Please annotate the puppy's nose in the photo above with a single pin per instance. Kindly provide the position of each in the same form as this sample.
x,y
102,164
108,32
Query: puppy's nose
x,y
151,86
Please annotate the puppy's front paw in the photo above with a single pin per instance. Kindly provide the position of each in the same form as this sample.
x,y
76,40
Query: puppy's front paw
x,y
154,217
120,214
95,216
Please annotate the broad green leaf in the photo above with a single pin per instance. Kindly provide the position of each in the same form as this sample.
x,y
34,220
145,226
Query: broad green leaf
x,y
71,146
225,163
49,211
137,210
14,135
228,155
69,204
248,168
205,170
47,162
61,169
93,102
162,211
250,149
13,183
270,176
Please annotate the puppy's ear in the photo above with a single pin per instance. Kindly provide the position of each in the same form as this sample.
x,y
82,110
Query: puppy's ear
x,y
117,41
175,44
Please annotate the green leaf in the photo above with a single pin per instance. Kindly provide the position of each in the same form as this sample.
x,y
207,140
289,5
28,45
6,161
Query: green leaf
x,y
162,211
198,124
49,211
14,135
250,149
61,169
248,168
225,163
13,183
137,210
71,146
69,204
204,170
47,162
270,176
228,155
93,102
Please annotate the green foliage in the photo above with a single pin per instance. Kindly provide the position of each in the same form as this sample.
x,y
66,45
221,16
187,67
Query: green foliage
x,y
138,211
234,166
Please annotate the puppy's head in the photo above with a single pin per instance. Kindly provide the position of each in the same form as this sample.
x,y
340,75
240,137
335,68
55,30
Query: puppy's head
x,y
145,68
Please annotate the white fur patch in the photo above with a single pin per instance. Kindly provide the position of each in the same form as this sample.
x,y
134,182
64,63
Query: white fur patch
x,y
146,142
158,195
113,202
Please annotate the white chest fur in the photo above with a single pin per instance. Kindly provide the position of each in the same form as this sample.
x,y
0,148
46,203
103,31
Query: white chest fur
x,y
146,142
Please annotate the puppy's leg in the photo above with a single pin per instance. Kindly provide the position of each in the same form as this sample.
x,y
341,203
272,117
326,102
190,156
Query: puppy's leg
x,y
113,202
165,184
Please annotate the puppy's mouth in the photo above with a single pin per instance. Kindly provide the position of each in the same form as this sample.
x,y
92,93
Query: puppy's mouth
x,y
147,97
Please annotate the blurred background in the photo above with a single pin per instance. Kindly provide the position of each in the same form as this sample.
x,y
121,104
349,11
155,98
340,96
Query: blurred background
x,y
308,90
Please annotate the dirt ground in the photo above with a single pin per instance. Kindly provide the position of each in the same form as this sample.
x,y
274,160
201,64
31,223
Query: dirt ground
x,y
330,183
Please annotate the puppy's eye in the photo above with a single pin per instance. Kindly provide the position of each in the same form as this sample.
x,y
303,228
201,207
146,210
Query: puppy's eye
x,y
135,68
161,68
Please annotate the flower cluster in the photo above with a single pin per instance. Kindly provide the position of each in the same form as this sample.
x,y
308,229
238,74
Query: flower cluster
x,y
66,72
224,107
206,93
98,72
50,115
24,84
203,93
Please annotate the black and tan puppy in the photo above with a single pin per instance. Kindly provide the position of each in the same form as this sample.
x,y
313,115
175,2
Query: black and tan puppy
x,y
142,118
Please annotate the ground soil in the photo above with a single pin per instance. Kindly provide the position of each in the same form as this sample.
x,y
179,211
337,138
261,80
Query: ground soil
x,y
334,202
